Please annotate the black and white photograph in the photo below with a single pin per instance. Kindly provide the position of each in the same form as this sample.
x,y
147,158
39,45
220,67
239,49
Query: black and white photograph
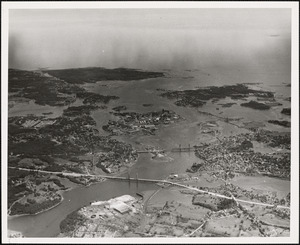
x,y
150,122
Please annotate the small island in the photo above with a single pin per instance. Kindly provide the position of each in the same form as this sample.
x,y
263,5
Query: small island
x,y
147,105
286,111
286,124
120,108
256,105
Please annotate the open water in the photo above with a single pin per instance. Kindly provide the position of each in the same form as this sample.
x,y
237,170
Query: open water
x,y
133,94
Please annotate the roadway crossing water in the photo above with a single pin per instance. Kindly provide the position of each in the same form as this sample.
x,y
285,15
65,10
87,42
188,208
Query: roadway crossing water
x,y
133,94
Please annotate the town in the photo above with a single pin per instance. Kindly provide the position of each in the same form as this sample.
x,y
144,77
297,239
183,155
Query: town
x,y
147,123
235,154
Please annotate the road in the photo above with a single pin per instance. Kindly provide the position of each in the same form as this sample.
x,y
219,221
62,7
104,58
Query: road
x,y
153,181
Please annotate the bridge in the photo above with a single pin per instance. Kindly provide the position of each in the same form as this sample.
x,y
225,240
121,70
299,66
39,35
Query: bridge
x,y
185,149
179,149
155,181
92,175
150,151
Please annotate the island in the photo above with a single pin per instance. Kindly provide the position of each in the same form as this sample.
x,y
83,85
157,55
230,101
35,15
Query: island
x,y
146,123
286,111
199,97
215,194
48,154
94,74
286,124
256,105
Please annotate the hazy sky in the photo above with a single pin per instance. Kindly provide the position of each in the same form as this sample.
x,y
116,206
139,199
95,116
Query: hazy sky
x,y
148,38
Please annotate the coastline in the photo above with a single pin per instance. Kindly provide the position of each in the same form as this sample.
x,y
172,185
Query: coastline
x,y
61,192
44,210
125,169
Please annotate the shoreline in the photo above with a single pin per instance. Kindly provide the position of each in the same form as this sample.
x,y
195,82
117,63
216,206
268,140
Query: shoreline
x,y
71,188
61,192
44,210
125,168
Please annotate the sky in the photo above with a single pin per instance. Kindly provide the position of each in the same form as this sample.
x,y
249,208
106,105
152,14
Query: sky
x,y
149,38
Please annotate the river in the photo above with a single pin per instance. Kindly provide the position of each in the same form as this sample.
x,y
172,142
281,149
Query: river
x,y
133,94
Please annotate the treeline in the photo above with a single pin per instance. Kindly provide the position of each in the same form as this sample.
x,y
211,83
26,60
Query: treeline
x,y
93,98
14,190
14,130
73,111
73,220
74,180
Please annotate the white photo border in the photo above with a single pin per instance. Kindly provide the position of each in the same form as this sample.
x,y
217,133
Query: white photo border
x,y
294,6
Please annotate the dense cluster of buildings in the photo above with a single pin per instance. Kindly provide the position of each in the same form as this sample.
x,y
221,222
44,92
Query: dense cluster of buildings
x,y
132,122
235,154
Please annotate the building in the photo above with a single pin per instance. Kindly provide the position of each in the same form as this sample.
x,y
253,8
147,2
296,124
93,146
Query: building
x,y
120,206
126,198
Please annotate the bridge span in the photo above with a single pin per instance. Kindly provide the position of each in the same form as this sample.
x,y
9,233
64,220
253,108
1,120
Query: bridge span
x,y
155,181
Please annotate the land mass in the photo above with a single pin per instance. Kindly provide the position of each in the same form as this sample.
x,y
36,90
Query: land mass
x,y
146,123
286,124
256,105
94,74
204,201
186,212
286,111
63,143
199,97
